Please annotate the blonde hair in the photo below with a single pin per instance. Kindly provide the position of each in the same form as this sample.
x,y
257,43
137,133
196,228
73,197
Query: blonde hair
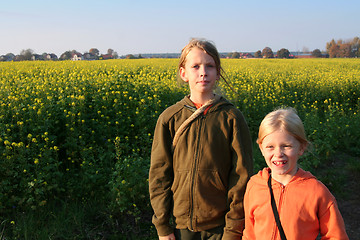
x,y
207,47
286,119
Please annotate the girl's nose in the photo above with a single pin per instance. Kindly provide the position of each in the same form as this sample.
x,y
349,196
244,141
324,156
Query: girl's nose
x,y
203,71
278,152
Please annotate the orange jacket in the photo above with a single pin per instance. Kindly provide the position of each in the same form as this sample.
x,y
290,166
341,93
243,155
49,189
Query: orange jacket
x,y
306,208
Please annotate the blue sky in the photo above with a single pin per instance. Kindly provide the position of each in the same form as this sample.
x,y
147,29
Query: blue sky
x,y
139,26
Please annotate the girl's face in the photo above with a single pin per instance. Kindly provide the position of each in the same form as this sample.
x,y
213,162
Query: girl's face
x,y
281,151
200,72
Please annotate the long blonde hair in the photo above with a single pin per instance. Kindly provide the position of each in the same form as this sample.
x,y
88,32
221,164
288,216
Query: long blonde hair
x,y
286,119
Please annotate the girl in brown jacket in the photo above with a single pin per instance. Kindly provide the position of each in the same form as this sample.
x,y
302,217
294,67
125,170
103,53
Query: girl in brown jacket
x,y
201,156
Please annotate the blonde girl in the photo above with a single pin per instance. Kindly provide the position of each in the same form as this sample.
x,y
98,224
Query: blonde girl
x,y
283,201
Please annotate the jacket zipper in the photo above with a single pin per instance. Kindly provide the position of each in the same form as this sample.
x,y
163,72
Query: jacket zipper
x,y
192,188
282,191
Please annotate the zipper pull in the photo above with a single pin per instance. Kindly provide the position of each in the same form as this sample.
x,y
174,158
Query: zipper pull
x,y
191,108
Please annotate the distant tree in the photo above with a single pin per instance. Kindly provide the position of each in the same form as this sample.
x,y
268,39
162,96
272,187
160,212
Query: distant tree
x,y
267,53
66,55
333,48
258,54
26,54
334,51
345,50
130,56
235,55
283,53
110,51
94,51
115,55
316,53
329,45
305,50
355,47
19,58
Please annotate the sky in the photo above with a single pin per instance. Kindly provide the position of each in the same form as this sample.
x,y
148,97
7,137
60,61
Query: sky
x,y
139,26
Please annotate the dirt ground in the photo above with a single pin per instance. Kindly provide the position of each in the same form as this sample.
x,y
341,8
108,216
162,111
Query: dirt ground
x,y
350,210
349,202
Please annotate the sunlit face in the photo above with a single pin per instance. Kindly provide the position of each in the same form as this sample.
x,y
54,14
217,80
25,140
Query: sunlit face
x,y
199,71
281,151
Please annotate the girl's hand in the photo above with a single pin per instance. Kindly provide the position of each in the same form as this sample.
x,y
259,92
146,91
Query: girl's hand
x,y
168,237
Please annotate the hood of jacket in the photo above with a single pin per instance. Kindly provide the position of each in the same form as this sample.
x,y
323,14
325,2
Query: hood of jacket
x,y
187,103
263,176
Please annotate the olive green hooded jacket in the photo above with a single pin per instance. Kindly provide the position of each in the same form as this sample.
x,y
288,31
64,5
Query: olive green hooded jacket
x,y
201,180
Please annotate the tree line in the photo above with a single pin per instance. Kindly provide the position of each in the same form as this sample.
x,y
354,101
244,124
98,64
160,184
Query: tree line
x,y
92,54
343,49
334,49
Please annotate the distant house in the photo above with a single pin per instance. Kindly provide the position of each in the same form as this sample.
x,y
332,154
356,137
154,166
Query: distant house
x,y
76,56
106,56
246,55
302,55
51,56
7,58
90,56
36,57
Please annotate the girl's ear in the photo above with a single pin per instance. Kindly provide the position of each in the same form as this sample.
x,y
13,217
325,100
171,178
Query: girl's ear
x,y
183,74
302,148
261,149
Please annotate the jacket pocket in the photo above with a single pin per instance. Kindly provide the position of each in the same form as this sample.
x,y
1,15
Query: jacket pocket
x,y
181,193
210,195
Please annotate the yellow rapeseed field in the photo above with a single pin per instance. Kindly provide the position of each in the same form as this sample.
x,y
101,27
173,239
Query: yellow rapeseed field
x,y
63,123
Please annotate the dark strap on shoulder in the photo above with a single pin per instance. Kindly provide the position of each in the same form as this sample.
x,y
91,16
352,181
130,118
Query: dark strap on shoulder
x,y
276,214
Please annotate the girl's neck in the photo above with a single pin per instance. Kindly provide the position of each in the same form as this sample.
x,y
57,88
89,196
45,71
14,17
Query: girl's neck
x,y
201,99
284,179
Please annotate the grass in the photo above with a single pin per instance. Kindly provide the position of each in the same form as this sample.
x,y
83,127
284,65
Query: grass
x,y
76,221
340,174
94,220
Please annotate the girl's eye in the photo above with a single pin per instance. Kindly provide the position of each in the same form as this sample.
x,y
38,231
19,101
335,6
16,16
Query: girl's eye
x,y
269,147
195,66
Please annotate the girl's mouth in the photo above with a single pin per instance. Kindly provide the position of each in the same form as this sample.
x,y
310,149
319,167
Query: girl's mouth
x,y
279,163
203,81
